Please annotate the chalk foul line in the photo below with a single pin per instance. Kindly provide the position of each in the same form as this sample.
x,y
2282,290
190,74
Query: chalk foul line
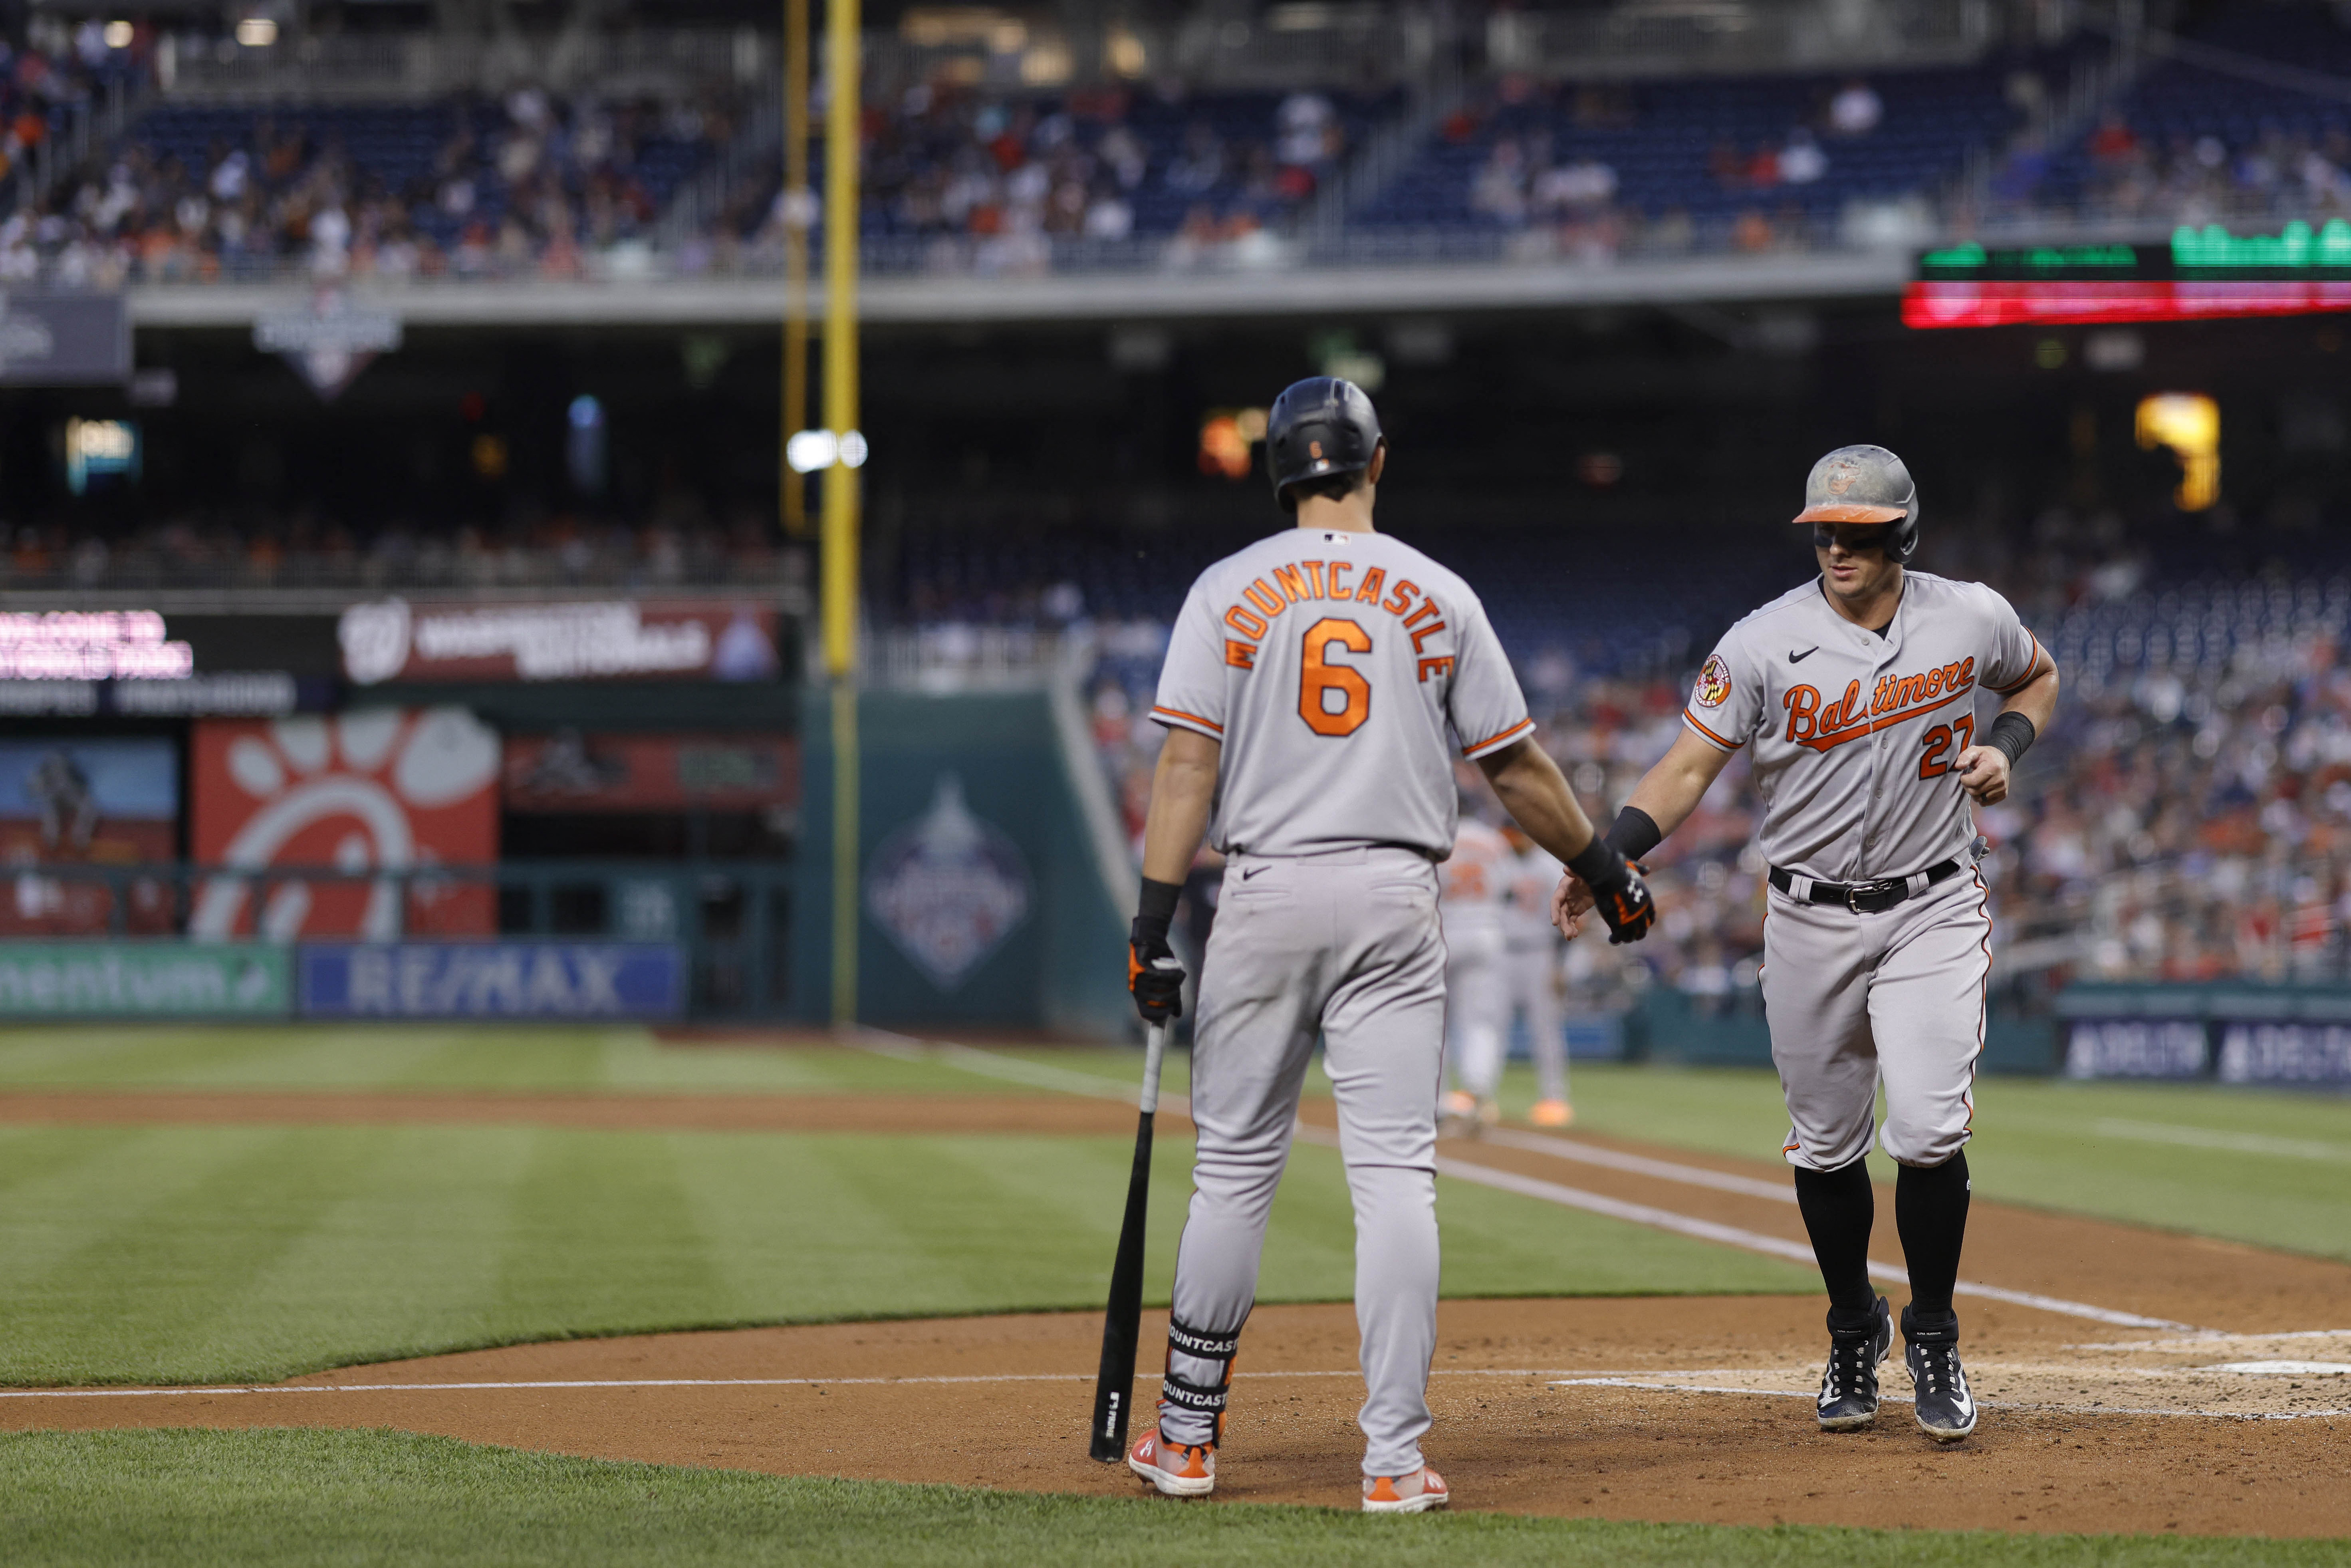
x,y
230,1388
1752,1240
1890,1397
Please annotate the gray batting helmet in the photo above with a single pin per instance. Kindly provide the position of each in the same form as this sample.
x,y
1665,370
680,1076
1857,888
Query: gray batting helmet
x,y
1864,485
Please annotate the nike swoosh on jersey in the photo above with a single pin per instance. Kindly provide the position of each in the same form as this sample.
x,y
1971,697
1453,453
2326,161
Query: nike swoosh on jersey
x,y
1796,658
1251,872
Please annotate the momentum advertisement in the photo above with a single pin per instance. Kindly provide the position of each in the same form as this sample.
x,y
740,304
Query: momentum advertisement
x,y
162,978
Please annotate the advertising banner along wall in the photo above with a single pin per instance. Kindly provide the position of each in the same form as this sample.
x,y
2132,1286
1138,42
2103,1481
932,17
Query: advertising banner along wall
x,y
398,789
493,979
598,640
164,978
575,772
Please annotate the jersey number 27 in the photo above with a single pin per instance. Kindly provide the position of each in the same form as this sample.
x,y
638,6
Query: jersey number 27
x,y
1939,741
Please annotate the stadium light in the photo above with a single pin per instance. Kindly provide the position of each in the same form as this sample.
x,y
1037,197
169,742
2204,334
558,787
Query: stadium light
x,y
2189,423
810,450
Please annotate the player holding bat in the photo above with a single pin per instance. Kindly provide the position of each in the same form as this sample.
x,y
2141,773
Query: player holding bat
x,y
1316,686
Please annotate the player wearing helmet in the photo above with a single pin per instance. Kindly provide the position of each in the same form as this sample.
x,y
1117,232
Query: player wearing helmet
x,y
1318,686
1855,696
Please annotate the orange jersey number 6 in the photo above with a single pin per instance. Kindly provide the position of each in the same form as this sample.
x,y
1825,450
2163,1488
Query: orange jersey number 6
x,y
1316,679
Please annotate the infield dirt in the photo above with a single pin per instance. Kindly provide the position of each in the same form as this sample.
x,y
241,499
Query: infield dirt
x,y
1660,1408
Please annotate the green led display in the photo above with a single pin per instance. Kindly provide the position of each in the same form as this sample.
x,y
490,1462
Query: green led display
x,y
2297,247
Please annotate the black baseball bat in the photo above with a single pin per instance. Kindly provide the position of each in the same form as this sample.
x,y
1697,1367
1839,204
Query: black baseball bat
x,y
1122,1320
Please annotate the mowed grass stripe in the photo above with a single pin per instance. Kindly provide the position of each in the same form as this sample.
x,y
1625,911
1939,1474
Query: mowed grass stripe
x,y
506,1056
170,1498
195,1255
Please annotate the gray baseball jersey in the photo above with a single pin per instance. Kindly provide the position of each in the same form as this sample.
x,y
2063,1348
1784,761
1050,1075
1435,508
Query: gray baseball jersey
x,y
1854,735
1855,738
1331,666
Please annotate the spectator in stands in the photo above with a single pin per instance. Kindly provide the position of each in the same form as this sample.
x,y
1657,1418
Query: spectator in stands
x,y
1856,110
2114,141
1500,191
1801,161
1580,186
1307,132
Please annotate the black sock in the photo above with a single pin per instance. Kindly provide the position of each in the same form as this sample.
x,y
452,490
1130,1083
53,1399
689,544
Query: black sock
x,y
1930,1210
1838,1207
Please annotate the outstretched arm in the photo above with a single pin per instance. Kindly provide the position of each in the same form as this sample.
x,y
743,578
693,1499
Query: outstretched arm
x,y
1671,791
1532,789
1667,796
1535,793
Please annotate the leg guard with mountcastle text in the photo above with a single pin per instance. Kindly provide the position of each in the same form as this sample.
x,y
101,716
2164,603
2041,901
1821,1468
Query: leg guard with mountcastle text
x,y
1198,1384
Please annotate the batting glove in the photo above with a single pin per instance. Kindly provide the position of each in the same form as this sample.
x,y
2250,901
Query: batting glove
x,y
1154,977
1620,896
1629,910
1156,980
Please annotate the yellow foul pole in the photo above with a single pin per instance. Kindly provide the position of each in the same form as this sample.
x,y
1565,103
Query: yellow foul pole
x,y
841,151
797,204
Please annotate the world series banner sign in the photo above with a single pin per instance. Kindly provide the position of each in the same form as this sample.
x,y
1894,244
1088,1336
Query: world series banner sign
x,y
947,888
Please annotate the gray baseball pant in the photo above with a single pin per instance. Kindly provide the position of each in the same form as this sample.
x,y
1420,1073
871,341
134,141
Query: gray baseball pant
x,y
1899,995
1534,973
1343,945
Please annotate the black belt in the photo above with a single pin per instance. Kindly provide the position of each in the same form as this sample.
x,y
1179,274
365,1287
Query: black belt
x,y
1866,897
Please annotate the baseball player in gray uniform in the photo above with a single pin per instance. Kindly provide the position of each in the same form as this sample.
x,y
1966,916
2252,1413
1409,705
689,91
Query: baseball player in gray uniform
x,y
1857,694
1533,976
1316,686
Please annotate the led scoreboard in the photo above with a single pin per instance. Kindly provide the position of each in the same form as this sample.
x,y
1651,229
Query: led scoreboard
x,y
2198,275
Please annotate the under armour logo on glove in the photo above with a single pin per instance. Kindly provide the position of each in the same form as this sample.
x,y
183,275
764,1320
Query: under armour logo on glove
x,y
1154,977
1629,909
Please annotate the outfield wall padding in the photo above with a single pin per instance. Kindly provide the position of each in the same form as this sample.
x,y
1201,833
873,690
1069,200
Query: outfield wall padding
x,y
929,762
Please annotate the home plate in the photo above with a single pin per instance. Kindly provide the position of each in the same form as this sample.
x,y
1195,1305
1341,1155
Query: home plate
x,y
2285,1368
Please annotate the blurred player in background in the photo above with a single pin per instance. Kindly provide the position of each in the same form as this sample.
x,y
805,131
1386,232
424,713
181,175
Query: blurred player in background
x,y
1476,999
1531,977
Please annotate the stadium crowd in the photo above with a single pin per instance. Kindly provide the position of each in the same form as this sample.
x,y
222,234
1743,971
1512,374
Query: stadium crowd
x,y
681,545
528,185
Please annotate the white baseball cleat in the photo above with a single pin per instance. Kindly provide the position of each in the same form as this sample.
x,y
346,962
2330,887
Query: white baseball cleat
x,y
1177,1470
1416,1493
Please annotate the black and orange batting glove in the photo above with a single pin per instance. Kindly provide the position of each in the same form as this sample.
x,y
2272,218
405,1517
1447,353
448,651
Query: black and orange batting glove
x,y
1619,895
1154,977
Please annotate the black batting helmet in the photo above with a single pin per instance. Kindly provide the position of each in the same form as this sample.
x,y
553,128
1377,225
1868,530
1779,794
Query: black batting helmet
x,y
1316,428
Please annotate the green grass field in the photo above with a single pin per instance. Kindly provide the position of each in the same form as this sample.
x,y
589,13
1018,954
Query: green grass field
x,y
174,1498
216,1253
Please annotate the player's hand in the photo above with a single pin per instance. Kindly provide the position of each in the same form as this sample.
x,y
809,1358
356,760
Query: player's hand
x,y
1628,907
1569,902
1983,774
1154,977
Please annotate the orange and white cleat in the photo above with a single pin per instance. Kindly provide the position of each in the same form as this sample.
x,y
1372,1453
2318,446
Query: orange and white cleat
x,y
1416,1493
1177,1470
1552,1113
1461,1104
